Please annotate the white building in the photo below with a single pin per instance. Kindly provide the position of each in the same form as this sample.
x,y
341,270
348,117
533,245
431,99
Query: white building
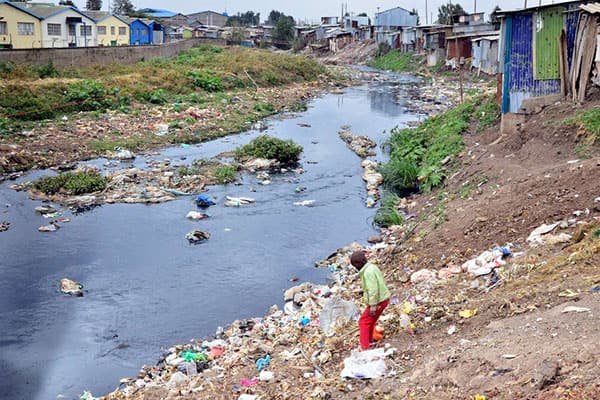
x,y
64,26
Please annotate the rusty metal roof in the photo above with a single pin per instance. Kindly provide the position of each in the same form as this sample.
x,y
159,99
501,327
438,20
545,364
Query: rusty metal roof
x,y
592,8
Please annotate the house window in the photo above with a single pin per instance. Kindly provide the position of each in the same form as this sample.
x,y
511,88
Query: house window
x,y
122,31
54,30
2,28
85,30
101,30
25,28
72,31
112,30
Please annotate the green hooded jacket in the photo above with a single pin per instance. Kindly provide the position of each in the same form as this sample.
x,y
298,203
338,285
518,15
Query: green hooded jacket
x,y
374,289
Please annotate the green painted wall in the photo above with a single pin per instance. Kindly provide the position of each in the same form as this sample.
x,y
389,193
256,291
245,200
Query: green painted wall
x,y
548,25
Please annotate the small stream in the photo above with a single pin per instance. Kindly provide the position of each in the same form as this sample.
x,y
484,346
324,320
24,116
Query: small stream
x,y
147,287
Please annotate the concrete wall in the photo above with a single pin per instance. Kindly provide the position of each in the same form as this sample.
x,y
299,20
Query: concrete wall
x,y
86,56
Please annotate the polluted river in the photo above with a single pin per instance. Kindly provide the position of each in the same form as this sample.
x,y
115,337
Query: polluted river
x,y
146,287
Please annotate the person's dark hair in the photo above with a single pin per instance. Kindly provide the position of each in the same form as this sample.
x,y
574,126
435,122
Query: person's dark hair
x,y
358,259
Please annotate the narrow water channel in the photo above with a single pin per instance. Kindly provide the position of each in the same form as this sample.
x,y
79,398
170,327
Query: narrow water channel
x,y
147,287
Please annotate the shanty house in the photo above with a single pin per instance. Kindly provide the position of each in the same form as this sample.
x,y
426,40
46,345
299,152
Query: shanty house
x,y
389,25
536,51
112,30
19,27
485,54
156,32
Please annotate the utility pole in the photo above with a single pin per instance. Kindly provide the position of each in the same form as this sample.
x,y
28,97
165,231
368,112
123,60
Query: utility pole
x,y
475,7
427,13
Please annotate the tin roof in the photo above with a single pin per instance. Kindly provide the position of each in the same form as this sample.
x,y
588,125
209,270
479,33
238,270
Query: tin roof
x,y
540,7
593,8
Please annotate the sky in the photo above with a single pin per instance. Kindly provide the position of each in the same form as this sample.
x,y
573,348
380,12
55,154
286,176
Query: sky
x,y
312,10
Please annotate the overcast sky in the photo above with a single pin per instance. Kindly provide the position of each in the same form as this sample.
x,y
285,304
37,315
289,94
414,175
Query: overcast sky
x,y
312,10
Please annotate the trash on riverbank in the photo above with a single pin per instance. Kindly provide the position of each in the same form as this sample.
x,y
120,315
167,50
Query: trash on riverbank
x,y
197,236
238,201
360,145
121,154
204,201
368,364
4,226
71,287
196,216
305,203
51,227
373,179
45,210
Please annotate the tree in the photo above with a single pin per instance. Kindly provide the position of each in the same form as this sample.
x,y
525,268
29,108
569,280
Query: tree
x,y
275,16
283,33
494,15
67,3
93,5
362,14
415,12
446,13
249,18
122,7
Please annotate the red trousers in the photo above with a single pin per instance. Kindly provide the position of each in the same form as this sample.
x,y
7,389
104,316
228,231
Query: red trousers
x,y
366,323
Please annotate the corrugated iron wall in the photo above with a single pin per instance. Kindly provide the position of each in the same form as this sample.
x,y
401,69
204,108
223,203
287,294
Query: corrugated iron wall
x,y
519,65
549,24
572,20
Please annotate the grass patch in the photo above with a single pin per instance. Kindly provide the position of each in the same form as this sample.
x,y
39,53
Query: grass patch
x,y
225,174
588,123
488,113
388,214
74,183
191,77
264,107
396,61
583,150
284,151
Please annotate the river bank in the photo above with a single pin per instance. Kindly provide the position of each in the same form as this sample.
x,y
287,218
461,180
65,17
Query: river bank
x,y
472,277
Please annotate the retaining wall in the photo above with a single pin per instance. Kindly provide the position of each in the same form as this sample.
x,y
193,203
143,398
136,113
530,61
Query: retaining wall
x,y
87,56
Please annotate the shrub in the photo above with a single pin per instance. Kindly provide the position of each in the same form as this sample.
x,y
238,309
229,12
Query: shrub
x,y
399,175
225,174
588,122
264,146
89,95
205,80
388,214
264,107
45,71
157,96
74,183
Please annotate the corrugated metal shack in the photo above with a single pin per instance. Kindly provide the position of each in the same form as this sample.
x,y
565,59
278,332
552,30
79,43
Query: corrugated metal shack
x,y
534,54
585,63
389,25
485,54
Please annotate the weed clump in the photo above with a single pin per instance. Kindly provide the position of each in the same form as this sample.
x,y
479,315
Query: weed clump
x,y
588,123
388,214
264,107
224,174
285,152
394,61
73,183
206,80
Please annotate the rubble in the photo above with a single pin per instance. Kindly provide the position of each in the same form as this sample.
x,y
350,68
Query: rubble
x,y
71,287
361,145
373,179
4,226
197,236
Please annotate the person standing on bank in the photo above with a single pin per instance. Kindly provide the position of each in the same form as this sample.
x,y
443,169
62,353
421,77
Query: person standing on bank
x,y
375,294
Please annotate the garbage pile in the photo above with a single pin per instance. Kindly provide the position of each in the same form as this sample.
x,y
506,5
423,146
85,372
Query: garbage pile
x,y
4,226
361,145
373,179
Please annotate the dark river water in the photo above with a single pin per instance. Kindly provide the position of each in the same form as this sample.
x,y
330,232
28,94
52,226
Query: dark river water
x,y
147,286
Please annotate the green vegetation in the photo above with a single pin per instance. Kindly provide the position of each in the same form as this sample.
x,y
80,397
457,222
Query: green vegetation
x,y
424,154
74,183
583,150
396,61
193,77
284,151
388,214
264,107
488,113
588,122
224,174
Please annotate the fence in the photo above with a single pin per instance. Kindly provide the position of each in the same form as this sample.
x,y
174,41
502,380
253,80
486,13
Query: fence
x,y
87,56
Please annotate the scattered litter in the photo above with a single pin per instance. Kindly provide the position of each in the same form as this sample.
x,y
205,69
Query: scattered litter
x,y
52,227
572,161
373,179
423,275
4,226
367,364
197,236
87,396
45,210
540,236
204,201
305,203
196,216
486,262
575,309
121,154
337,310
162,129
71,287
452,330
567,293
509,356
467,313
238,201
247,397
266,376
262,363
